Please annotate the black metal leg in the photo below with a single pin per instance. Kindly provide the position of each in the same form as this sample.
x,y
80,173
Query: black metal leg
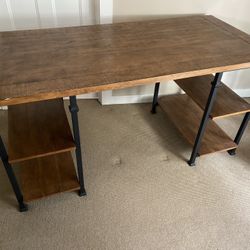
x,y
4,156
240,132
212,95
155,99
74,109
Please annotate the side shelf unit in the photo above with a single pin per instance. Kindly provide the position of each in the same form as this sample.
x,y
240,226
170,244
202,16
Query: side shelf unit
x,y
39,145
186,111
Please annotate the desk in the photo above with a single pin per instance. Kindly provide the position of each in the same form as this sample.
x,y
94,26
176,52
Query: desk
x,y
46,65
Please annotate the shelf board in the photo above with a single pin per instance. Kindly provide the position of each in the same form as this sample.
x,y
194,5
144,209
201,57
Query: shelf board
x,y
47,176
38,129
186,116
227,102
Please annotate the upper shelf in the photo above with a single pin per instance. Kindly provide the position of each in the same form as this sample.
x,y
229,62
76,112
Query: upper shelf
x,y
38,129
227,102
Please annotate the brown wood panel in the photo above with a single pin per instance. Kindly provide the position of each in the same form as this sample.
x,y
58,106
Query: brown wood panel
x,y
227,102
47,176
52,63
186,116
38,129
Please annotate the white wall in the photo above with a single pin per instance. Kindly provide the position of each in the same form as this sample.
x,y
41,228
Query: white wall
x,y
235,12
141,9
33,14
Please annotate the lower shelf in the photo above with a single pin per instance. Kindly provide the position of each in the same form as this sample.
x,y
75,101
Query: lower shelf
x,y
46,176
186,116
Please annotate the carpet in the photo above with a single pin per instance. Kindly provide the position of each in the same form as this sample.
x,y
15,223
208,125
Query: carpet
x,y
141,194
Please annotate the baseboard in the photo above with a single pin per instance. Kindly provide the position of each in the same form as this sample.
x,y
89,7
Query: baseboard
x,y
130,99
148,98
127,99
85,96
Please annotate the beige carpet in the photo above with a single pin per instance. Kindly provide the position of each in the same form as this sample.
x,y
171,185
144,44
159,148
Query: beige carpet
x,y
141,193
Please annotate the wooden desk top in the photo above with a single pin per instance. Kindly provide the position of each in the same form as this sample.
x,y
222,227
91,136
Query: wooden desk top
x,y
50,63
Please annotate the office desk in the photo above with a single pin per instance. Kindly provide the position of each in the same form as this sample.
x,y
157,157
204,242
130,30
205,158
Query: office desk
x,y
39,67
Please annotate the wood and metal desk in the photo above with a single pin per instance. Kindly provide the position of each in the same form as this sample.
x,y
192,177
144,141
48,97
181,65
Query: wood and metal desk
x,y
40,67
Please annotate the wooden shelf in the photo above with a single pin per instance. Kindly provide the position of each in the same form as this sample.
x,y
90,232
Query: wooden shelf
x,y
227,102
38,129
186,116
47,176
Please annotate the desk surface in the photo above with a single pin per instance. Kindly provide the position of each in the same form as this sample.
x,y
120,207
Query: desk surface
x,y
49,63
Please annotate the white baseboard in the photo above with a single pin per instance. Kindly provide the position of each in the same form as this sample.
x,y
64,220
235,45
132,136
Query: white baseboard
x,y
85,96
127,99
110,99
88,96
107,97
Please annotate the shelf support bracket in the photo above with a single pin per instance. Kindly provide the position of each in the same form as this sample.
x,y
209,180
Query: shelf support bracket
x,y
155,98
205,119
74,116
12,178
240,132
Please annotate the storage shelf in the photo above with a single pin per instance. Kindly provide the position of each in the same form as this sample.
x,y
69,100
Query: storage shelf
x,y
47,176
186,116
227,102
38,129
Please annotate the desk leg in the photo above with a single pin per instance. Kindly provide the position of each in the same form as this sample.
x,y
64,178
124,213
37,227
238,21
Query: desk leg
x,y
212,95
155,99
8,168
74,110
240,132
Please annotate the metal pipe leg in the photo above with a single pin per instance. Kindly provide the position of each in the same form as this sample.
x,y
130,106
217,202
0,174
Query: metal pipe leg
x,y
155,98
212,95
74,109
240,132
8,168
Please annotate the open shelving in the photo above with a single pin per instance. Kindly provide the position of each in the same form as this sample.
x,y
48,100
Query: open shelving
x,y
40,144
186,111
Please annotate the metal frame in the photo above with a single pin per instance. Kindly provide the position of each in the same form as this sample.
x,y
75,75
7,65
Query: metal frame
x,y
206,116
74,116
240,132
11,175
155,98
9,170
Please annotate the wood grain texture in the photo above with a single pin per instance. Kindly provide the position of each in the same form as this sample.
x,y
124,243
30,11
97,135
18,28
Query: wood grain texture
x,y
47,176
52,63
38,129
186,116
227,102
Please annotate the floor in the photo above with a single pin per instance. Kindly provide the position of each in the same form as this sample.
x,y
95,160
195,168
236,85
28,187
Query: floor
x,y
141,193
